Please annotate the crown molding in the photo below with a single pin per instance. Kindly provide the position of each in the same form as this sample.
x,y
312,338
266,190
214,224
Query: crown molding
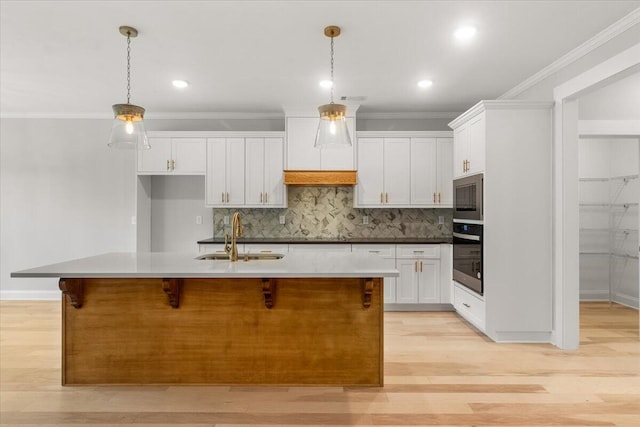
x,y
404,134
507,104
148,116
585,48
409,115
44,115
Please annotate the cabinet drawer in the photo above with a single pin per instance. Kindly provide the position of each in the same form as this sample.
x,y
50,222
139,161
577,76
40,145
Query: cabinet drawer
x,y
469,306
254,248
385,251
320,247
215,248
418,251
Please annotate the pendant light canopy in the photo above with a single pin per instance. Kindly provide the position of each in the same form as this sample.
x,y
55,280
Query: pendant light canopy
x,y
332,129
128,126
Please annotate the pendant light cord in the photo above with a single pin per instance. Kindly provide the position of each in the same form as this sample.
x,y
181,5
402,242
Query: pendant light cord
x,y
129,67
331,69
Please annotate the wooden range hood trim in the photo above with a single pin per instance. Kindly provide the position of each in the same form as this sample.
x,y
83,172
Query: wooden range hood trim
x,y
320,177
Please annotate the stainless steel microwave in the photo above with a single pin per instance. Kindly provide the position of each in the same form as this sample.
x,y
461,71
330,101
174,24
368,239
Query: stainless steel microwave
x,y
467,198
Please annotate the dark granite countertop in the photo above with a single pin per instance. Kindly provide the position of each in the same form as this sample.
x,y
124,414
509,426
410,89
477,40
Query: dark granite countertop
x,y
363,240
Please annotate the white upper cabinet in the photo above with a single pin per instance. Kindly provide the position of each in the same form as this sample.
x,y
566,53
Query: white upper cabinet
x,y
404,171
444,174
397,171
423,171
173,155
264,178
469,147
302,155
225,172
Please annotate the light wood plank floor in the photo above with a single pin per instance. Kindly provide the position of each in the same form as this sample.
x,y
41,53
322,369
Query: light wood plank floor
x,y
439,371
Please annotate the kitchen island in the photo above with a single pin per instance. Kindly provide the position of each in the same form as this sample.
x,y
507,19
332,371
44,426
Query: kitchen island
x,y
169,318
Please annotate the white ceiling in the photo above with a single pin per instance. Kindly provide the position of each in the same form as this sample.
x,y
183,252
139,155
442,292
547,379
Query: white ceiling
x,y
66,58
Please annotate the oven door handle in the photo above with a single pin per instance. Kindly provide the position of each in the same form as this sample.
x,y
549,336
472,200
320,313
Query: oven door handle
x,y
467,236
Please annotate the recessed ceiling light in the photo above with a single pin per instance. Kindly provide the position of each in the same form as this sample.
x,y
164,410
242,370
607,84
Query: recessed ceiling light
x,y
180,84
326,84
465,33
425,84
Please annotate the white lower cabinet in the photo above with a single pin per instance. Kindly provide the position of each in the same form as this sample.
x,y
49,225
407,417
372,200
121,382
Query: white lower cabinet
x,y
469,305
419,281
387,254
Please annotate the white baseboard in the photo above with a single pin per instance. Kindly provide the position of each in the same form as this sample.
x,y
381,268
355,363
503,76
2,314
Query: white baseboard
x,y
628,300
594,295
30,295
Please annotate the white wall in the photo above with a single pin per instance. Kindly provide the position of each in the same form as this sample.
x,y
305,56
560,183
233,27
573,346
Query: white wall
x,y
63,194
619,100
175,203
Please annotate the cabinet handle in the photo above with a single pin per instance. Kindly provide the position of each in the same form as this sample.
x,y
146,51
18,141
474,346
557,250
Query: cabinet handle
x,y
227,197
418,252
167,165
439,198
265,252
415,267
261,198
222,195
381,197
173,165
420,266
266,197
386,197
466,305
434,197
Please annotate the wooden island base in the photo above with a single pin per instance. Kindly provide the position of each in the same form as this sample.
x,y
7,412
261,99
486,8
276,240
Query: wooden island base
x,y
318,331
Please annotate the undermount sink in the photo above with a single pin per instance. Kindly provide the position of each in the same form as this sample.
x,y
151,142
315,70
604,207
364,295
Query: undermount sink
x,y
242,257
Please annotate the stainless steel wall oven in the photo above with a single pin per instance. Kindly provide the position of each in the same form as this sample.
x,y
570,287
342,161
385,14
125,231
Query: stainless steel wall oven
x,y
467,255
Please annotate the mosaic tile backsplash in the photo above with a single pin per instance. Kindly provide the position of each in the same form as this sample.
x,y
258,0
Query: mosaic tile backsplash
x,y
328,213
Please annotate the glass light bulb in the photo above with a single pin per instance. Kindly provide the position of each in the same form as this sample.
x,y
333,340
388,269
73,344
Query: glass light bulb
x,y
332,127
129,127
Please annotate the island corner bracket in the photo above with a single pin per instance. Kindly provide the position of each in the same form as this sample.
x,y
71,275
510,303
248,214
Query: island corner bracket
x,y
367,292
74,290
172,287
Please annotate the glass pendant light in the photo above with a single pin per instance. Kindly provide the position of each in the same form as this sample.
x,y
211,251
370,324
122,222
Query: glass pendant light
x,y
128,127
332,129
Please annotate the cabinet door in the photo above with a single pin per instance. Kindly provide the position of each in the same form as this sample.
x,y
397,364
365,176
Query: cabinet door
x,y
370,171
301,134
407,283
254,178
273,176
340,158
235,171
429,281
476,144
158,158
397,171
424,172
460,149
189,155
444,180
216,179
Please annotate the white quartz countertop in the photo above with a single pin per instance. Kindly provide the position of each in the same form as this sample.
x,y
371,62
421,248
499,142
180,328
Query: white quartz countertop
x,y
183,265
